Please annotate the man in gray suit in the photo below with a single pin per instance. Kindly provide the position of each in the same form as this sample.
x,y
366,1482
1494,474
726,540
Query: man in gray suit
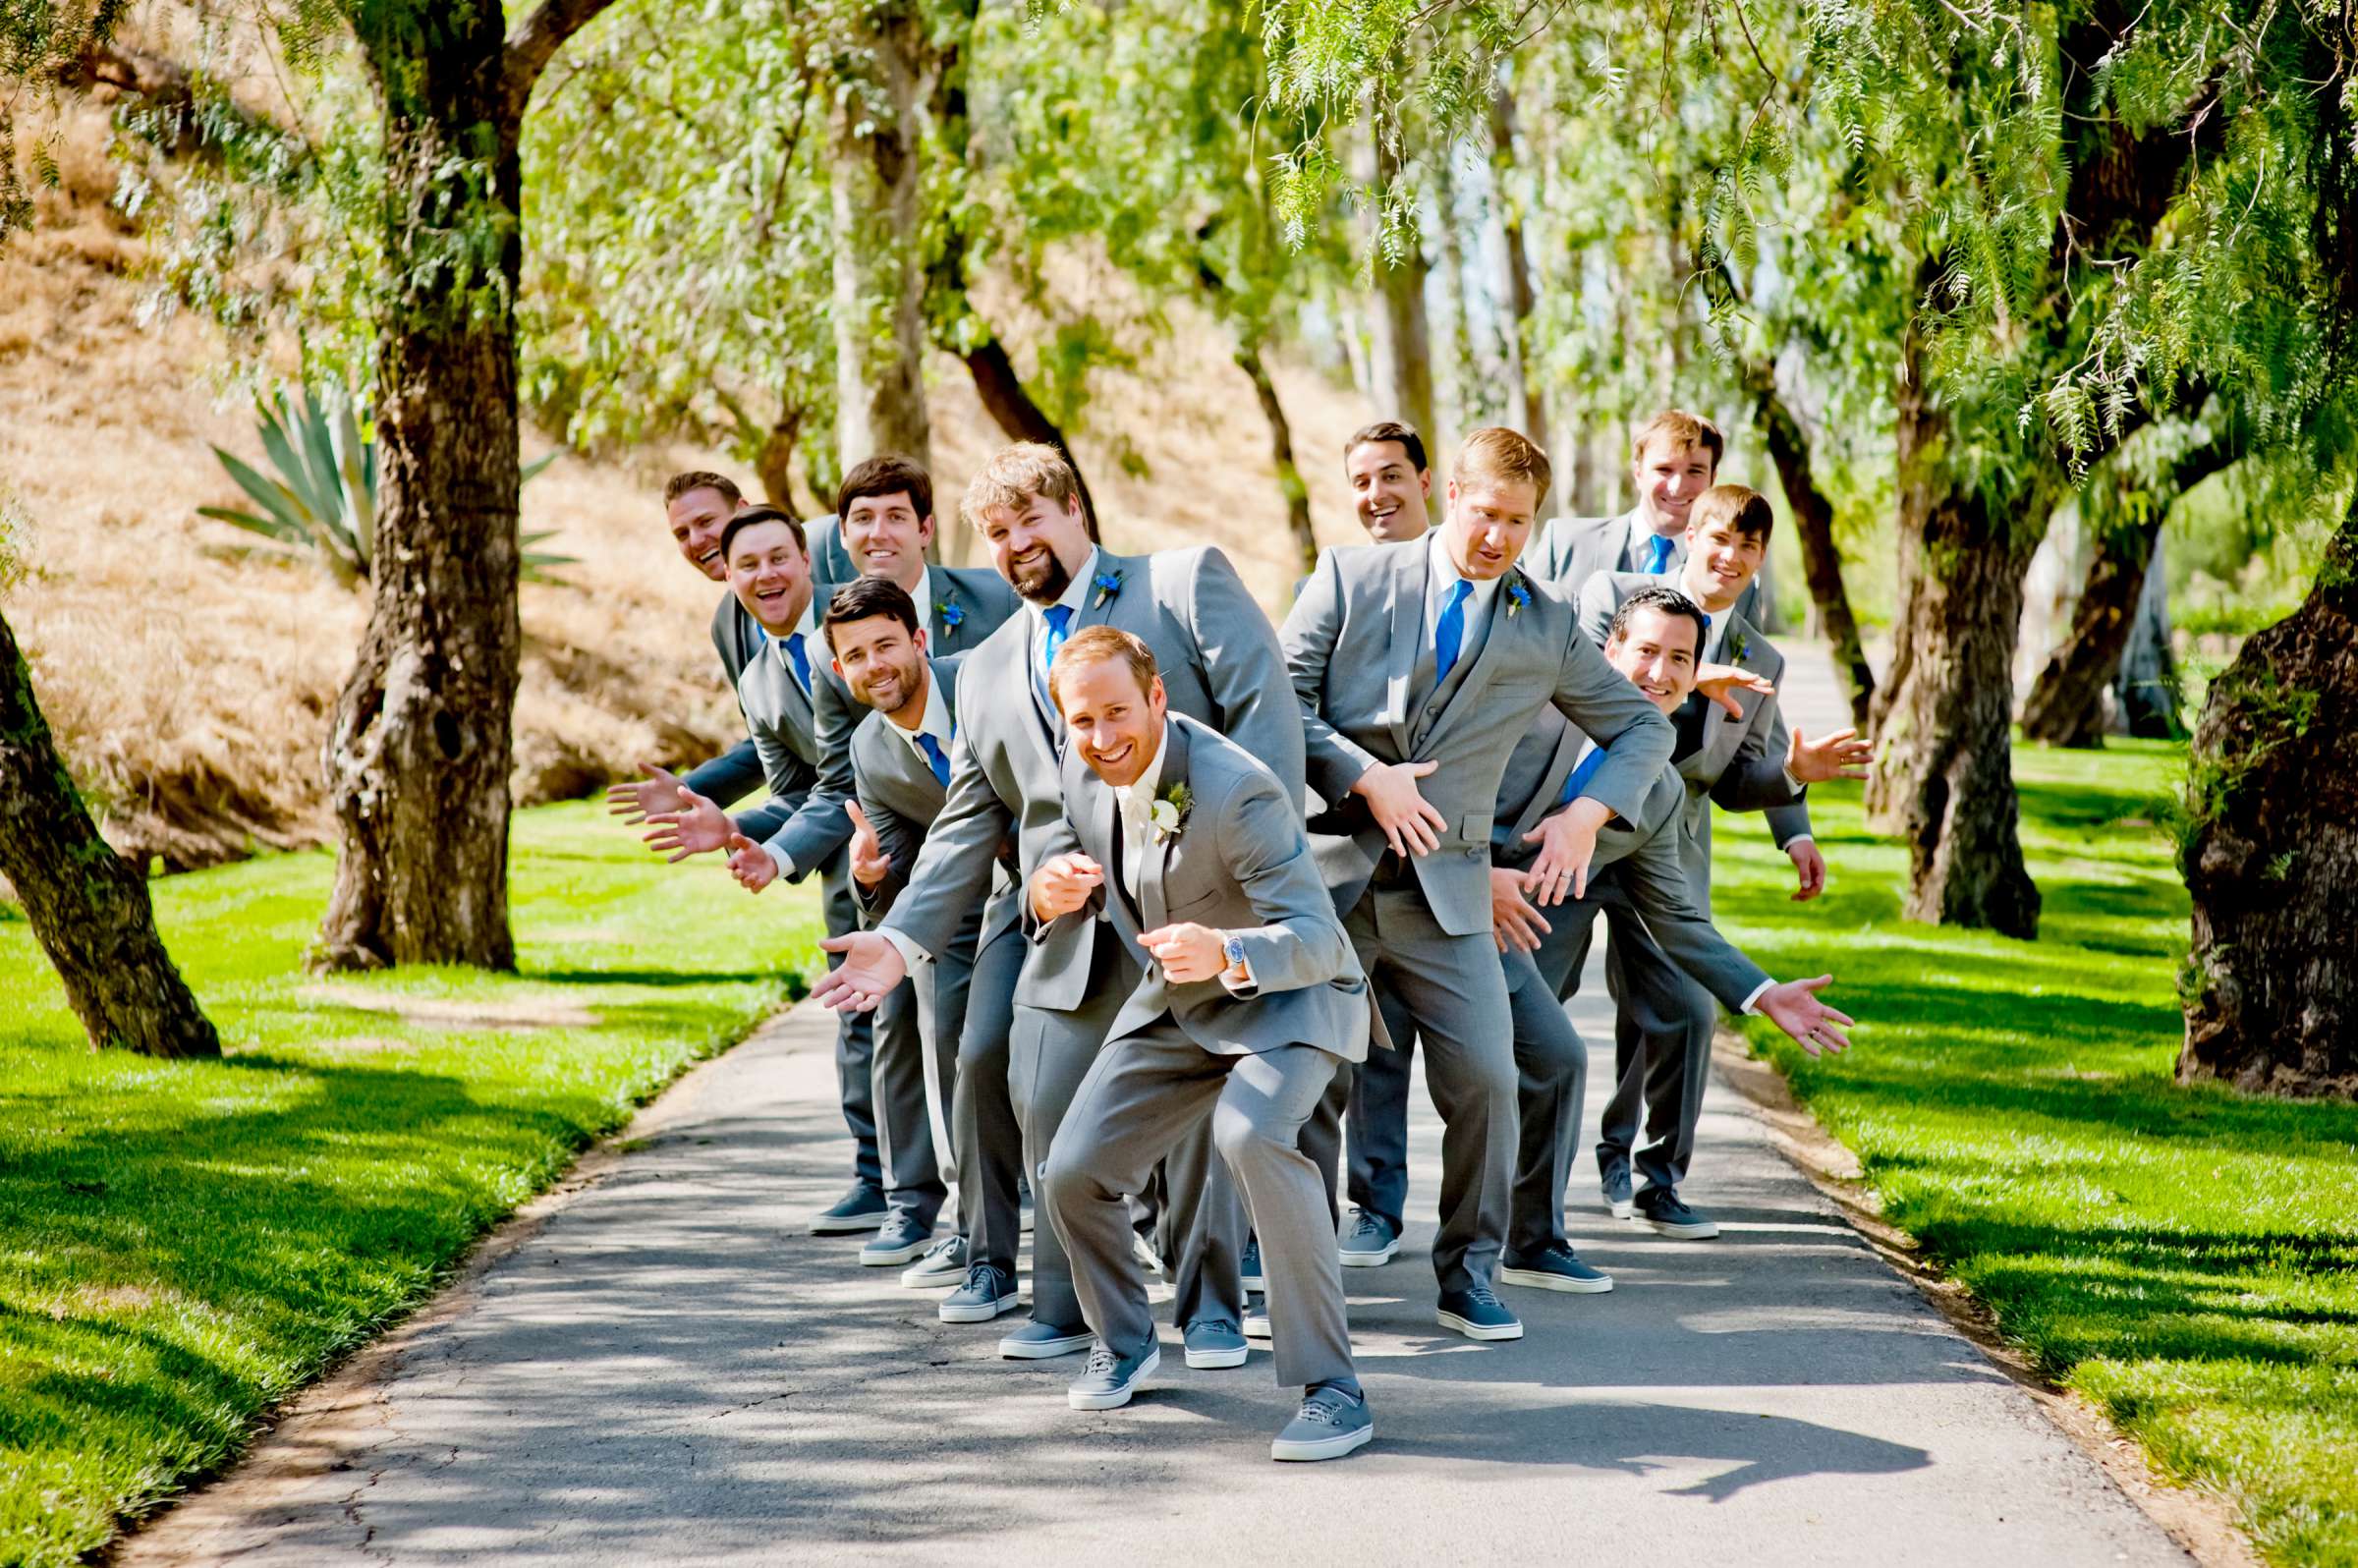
x,y
1746,761
1248,1002
1673,459
1639,874
1418,666
1221,666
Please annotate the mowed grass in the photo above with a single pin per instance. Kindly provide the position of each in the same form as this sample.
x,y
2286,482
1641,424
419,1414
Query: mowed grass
x,y
181,1244
2187,1258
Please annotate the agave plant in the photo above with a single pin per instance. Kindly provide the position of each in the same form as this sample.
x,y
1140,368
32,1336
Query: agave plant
x,y
323,498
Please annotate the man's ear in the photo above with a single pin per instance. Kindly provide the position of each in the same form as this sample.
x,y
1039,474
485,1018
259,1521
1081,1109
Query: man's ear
x,y
919,638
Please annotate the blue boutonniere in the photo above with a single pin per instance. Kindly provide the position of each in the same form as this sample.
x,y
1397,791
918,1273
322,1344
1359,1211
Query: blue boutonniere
x,y
1517,597
949,615
1107,584
1735,646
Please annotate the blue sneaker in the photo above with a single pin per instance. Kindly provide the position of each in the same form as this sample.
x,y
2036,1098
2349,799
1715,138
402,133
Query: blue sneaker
x,y
987,1292
944,1263
1616,1189
862,1208
1038,1341
1108,1381
1331,1424
1479,1314
1214,1343
1660,1209
1250,1267
899,1241
1557,1268
1369,1243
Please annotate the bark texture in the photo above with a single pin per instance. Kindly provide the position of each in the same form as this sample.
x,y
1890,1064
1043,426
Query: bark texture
x,y
1282,456
2066,702
419,753
1522,300
1402,353
1814,524
88,906
876,152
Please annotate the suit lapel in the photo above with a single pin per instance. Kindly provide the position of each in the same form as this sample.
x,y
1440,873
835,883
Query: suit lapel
x,y
1406,612
1154,905
1500,631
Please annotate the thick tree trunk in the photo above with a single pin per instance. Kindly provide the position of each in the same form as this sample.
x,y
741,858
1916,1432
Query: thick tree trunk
x,y
876,178
1522,300
1281,454
2066,704
1017,415
419,754
88,906
1403,347
1814,524
773,460
1943,777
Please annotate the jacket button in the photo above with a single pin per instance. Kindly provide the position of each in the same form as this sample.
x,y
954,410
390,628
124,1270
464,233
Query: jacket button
x,y
1472,852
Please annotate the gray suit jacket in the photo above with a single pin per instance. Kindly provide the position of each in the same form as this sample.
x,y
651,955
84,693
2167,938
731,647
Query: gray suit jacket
x,y
1570,550
1354,642
901,798
1241,864
1741,763
1220,665
778,712
977,603
1641,861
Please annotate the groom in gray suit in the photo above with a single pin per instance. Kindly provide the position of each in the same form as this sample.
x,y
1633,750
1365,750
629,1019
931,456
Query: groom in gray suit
x,y
1744,760
1418,666
1248,1002
1220,665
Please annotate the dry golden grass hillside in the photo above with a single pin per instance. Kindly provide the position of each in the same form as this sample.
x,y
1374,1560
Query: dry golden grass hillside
x,y
190,682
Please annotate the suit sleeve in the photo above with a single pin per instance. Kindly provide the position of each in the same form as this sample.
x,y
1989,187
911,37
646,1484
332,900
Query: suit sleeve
x,y
900,839
1755,779
787,786
1247,669
1299,943
1333,760
953,873
1657,887
729,777
1596,607
1614,713
819,825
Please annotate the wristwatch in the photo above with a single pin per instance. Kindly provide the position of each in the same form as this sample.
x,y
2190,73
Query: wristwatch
x,y
1232,948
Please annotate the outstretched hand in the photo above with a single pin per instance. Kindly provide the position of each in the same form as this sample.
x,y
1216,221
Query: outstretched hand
x,y
753,866
1840,755
1409,822
869,864
637,799
1722,682
690,827
1794,1007
871,967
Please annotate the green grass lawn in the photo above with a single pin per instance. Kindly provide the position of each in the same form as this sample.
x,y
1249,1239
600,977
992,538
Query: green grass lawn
x,y
2186,1258
183,1244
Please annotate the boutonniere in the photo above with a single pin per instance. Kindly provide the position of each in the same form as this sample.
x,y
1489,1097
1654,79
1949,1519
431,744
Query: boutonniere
x,y
1107,584
949,615
1517,597
1735,646
1168,813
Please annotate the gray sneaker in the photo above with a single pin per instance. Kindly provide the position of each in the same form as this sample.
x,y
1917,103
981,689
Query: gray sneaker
x,y
1106,1382
1616,1190
944,1263
1248,1268
1332,1424
1370,1242
1214,1343
862,1208
1558,1267
1257,1322
987,1292
897,1241
1661,1211
1038,1341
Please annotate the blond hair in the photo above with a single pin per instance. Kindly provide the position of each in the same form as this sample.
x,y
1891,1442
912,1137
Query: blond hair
x,y
1738,506
1496,452
1096,643
1015,477
1682,430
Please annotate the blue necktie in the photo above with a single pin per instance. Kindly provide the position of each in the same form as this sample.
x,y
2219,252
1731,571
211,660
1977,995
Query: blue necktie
x,y
935,756
1451,632
1059,618
801,659
1659,561
1707,638
1581,775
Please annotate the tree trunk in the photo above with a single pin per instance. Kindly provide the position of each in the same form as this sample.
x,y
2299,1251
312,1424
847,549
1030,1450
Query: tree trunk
x,y
1281,454
1403,347
876,178
773,459
1522,300
88,906
1814,522
419,754
1017,415
1943,777
2066,704
1587,495
2271,848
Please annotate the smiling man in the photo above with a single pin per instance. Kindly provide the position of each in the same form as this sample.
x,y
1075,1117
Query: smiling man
x,y
1744,760
1418,666
1248,1002
1221,666
1391,488
1673,459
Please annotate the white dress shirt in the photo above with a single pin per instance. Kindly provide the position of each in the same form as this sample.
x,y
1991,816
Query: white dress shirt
x,y
935,722
815,649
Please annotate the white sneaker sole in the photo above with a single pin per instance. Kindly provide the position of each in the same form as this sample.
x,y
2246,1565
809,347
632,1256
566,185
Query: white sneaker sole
x,y
1701,1230
1216,1360
848,1224
1258,1328
922,1280
1326,1447
1623,1207
1367,1260
1479,1330
978,1312
894,1256
1541,1279
1014,1348
1115,1398
1259,1284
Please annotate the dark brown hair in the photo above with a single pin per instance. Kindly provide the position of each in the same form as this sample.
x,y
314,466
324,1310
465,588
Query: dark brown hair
x,y
886,475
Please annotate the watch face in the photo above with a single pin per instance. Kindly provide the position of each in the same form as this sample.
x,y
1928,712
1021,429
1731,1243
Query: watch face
x,y
1234,947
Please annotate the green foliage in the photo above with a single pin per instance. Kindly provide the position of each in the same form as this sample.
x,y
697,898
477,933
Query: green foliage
x,y
322,500
2184,1256
39,38
192,1242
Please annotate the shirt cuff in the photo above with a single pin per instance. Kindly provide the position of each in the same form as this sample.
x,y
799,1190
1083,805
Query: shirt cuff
x,y
1752,1003
1793,786
912,955
1238,978
1798,838
780,859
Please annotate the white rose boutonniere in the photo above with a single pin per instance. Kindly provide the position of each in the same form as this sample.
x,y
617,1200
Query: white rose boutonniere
x,y
1168,813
